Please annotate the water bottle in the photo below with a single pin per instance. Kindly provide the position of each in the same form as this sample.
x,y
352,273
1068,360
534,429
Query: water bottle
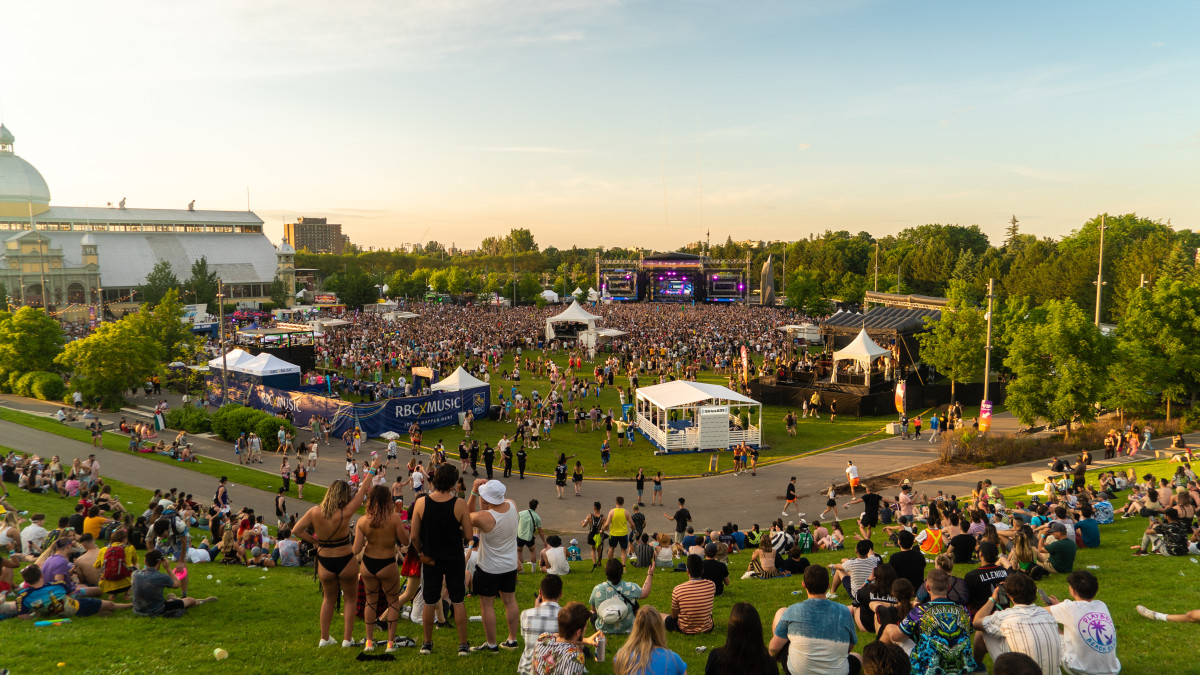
x,y
601,643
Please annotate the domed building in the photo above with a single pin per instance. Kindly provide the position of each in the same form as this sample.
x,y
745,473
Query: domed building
x,y
87,261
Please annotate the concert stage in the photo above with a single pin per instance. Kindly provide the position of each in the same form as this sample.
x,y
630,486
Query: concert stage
x,y
674,277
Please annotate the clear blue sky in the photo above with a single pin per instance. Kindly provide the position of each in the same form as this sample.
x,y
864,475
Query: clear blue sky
x,y
616,123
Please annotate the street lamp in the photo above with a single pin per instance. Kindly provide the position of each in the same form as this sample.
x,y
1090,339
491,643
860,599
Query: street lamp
x,y
224,362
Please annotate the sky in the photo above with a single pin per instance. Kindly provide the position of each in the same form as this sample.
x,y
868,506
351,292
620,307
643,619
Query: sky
x,y
602,122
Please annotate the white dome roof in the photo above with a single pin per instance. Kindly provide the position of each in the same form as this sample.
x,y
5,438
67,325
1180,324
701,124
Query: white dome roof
x,y
19,181
285,248
88,240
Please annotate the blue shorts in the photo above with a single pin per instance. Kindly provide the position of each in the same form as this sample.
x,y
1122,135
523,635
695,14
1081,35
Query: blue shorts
x,y
88,606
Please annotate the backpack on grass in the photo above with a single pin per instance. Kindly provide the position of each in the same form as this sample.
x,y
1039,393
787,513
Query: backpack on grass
x,y
115,568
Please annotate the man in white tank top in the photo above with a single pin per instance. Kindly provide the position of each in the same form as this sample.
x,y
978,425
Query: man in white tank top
x,y
495,520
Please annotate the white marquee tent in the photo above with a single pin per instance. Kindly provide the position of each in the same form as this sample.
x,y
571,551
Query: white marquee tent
x,y
457,381
683,416
265,365
862,351
233,358
549,296
580,324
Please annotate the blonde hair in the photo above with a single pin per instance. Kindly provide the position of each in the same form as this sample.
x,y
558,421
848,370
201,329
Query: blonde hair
x,y
1023,551
647,634
945,562
336,498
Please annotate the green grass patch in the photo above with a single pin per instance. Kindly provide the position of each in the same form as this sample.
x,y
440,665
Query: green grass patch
x,y
242,475
263,602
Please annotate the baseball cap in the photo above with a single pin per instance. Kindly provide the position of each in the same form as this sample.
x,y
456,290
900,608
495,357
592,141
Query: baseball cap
x,y
492,492
574,542
711,549
1058,527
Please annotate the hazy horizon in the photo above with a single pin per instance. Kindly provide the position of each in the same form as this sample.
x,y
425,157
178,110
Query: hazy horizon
x,y
598,122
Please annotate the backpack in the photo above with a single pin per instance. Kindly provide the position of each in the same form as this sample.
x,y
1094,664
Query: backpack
x,y
115,568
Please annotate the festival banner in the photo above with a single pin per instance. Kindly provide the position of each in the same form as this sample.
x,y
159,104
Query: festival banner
x,y
985,416
901,390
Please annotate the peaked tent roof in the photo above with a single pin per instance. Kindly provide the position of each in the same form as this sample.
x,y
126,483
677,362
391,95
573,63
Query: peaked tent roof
x,y
862,349
574,313
266,364
457,381
233,358
682,392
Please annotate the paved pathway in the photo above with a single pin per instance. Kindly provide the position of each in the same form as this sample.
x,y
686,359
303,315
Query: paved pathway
x,y
712,500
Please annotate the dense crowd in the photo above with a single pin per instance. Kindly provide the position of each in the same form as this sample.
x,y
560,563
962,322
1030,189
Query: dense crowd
x,y
417,561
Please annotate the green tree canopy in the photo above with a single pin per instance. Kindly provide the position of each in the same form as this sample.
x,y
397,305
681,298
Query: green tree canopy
x,y
160,280
117,356
353,287
279,292
804,293
29,340
202,286
164,325
955,343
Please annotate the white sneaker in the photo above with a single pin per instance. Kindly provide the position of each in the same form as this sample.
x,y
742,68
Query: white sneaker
x,y
351,643
328,642
784,513
1145,612
831,595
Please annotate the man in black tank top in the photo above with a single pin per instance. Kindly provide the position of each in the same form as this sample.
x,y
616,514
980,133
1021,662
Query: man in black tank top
x,y
441,526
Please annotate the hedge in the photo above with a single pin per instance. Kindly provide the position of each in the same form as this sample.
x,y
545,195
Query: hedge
x,y
192,419
232,420
38,383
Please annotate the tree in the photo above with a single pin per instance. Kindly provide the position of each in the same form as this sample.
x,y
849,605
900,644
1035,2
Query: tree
x,y
164,325
1058,360
279,292
202,286
804,293
519,240
955,343
1157,347
1011,232
118,356
354,288
160,280
29,340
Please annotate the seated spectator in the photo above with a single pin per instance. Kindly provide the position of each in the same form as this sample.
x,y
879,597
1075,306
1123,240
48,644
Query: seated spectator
x,y
1056,552
762,562
692,601
642,551
34,535
1087,529
817,635
853,573
1024,627
875,595
553,558
939,629
743,652
1089,635
1024,554
573,552
613,600
52,601
715,570
909,562
884,658
1169,538
148,585
796,563
1015,663
116,563
958,586
542,619
259,557
646,650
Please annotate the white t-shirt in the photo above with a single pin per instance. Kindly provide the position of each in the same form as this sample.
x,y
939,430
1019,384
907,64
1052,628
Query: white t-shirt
x,y
1089,637
852,472
197,555
1028,629
418,481
31,539
557,561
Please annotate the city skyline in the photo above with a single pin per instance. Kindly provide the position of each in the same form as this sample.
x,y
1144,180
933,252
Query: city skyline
x,y
595,122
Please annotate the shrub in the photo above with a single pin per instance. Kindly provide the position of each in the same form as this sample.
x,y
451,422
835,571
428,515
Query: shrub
x,y
23,385
47,386
233,419
192,419
268,426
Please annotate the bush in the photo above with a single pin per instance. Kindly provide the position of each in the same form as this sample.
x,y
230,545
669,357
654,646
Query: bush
x,y
268,426
24,384
233,419
47,386
192,419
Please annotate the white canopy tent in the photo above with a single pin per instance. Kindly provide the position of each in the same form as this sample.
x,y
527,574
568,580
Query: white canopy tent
x,y
863,352
549,296
265,364
578,324
233,358
683,416
457,381
593,295
400,316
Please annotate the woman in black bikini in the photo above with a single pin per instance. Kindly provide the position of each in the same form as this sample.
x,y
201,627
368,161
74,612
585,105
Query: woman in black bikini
x,y
377,535
328,528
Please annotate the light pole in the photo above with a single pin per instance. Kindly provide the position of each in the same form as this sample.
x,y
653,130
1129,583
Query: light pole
x,y
1100,271
224,362
987,355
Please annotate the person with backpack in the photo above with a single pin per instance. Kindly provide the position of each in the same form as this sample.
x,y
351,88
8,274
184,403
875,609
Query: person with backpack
x,y
171,537
615,602
116,563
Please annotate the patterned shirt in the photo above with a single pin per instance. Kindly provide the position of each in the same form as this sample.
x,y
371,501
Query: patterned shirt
x,y
1028,629
535,622
551,657
942,632
1103,512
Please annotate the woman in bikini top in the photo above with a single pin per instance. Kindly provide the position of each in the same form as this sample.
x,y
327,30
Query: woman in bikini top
x,y
375,541
327,526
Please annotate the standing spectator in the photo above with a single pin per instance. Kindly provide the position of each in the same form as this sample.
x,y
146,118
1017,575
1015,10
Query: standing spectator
x,y
529,523
852,476
1024,627
441,526
619,525
645,652
940,629
817,635
743,652
1089,637
540,619
496,571
692,601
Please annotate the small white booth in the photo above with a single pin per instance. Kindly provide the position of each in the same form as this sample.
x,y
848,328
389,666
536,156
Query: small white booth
x,y
399,316
683,416
810,333
233,358
550,296
573,323
862,353
458,381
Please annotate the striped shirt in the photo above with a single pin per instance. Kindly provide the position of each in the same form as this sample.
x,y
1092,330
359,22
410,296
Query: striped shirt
x,y
534,622
860,570
692,601
1028,629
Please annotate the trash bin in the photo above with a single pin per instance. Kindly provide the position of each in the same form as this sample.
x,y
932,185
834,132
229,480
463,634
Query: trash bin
x,y
462,418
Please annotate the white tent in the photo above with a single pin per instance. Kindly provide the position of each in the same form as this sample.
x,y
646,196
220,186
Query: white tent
x,y
457,381
592,296
581,325
683,416
577,291
863,351
266,364
399,316
233,358
549,296
574,313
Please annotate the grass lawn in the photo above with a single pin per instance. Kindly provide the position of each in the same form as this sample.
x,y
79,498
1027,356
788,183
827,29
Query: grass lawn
x,y
257,605
242,475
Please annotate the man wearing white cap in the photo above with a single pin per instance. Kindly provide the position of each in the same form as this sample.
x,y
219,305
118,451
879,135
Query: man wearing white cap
x,y
496,571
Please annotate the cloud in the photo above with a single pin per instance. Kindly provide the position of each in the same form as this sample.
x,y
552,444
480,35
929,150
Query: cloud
x,y
531,149
1156,45
567,36
946,122
1038,173
803,146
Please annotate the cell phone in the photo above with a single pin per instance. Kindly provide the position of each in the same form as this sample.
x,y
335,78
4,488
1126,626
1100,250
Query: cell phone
x,y
1001,596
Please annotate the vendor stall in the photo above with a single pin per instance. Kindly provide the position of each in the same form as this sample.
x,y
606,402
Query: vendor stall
x,y
683,416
